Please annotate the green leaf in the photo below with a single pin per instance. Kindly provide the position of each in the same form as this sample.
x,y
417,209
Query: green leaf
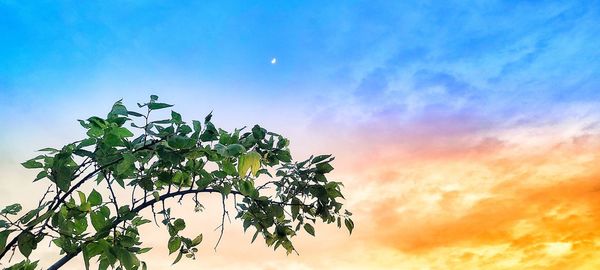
x,y
32,164
210,133
98,220
320,158
287,244
156,196
91,250
247,221
122,132
105,211
295,207
136,114
179,224
26,243
138,221
40,218
80,225
49,149
282,142
180,178
24,265
82,123
220,149
174,244
228,167
246,187
309,229
144,250
95,198
12,209
158,106
284,155
40,176
176,117
248,141
85,207
104,263
277,211
124,211
162,122
97,122
95,132
254,236
27,217
127,259
225,138
184,130
225,189
120,181
208,117
153,97
113,140
125,164
197,240
86,142
219,174
324,168
235,149
197,125
62,170
204,181
181,142
81,197
178,258
258,132
84,153
249,161
349,224
118,109
3,237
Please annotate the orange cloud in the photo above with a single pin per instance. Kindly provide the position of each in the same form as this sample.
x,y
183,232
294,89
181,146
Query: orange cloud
x,y
566,211
493,206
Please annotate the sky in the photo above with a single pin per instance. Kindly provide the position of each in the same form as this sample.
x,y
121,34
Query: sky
x,y
467,134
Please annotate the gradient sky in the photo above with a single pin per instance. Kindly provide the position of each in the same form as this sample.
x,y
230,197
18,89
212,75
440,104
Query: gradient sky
x,y
467,134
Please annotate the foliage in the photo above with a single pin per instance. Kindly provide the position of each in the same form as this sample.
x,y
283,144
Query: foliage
x,y
168,158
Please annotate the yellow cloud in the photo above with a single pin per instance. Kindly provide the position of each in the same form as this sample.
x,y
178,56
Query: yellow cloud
x,y
497,208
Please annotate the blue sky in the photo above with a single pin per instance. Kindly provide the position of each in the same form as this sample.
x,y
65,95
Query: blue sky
x,y
418,100
374,60
519,49
342,66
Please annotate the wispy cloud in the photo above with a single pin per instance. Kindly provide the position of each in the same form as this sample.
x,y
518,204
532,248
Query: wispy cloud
x,y
466,133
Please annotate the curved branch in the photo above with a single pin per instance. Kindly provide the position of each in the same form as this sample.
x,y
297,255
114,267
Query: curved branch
x,y
53,206
139,208
115,223
222,223
58,200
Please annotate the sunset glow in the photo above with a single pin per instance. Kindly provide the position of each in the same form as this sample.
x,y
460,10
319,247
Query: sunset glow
x,y
467,135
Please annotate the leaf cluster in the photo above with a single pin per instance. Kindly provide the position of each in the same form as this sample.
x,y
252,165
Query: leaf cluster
x,y
155,160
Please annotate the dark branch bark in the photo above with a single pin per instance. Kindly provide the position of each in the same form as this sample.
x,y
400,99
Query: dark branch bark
x,y
222,223
58,264
58,200
139,208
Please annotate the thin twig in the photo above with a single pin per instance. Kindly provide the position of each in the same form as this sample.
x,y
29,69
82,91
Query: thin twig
x,y
222,222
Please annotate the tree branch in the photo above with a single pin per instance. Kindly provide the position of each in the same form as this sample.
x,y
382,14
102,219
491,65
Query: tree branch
x,y
139,208
222,223
115,223
56,203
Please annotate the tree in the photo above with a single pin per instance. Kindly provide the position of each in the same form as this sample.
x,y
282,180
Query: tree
x,y
167,159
